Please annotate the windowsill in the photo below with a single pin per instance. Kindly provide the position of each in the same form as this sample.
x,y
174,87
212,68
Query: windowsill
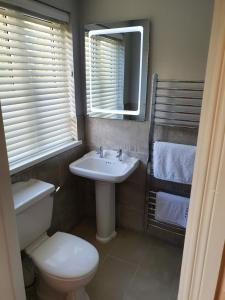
x,y
42,157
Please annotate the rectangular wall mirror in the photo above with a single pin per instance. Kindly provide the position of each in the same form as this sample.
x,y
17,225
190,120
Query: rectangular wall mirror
x,y
116,59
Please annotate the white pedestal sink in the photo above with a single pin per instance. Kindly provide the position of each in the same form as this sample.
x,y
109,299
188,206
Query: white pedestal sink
x,y
106,172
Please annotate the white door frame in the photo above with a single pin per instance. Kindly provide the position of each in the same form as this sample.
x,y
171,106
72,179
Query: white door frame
x,y
11,277
206,223
205,234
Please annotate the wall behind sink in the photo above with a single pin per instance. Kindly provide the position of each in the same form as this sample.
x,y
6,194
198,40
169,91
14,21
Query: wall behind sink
x,y
179,41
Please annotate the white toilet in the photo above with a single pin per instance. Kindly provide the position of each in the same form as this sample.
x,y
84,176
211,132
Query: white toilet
x,y
65,263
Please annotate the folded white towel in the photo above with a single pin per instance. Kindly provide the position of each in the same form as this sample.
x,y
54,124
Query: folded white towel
x,y
172,209
173,162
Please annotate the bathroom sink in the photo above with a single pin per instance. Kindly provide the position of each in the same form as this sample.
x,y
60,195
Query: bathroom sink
x,y
109,168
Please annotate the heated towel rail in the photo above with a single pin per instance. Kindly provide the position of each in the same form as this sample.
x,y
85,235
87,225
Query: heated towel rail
x,y
175,108
176,102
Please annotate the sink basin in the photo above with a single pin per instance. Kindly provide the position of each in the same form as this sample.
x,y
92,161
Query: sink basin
x,y
108,168
106,172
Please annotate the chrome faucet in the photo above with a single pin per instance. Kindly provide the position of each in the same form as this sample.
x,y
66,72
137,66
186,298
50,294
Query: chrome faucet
x,y
119,154
100,151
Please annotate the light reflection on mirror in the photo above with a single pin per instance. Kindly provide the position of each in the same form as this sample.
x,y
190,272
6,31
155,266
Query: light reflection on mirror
x,y
115,81
107,48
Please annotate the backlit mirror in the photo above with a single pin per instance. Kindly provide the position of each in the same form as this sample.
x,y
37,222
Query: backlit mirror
x,y
116,57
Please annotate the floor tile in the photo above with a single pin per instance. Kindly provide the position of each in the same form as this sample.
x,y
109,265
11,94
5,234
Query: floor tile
x,y
145,286
162,253
127,298
162,257
112,280
175,286
156,276
130,246
133,266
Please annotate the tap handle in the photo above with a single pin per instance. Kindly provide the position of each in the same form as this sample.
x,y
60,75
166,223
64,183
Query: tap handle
x,y
99,150
119,153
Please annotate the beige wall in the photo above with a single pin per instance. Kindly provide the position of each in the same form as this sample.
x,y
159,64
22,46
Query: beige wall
x,y
179,39
179,31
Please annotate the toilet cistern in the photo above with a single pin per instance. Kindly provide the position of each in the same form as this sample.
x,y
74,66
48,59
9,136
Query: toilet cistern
x,y
113,167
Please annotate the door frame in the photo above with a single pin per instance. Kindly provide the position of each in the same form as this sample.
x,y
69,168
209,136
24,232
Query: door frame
x,y
206,222
11,276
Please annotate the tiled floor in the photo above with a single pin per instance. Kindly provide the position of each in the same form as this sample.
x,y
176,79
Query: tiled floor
x,y
133,266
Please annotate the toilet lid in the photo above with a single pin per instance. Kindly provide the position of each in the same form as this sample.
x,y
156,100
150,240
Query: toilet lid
x,y
66,256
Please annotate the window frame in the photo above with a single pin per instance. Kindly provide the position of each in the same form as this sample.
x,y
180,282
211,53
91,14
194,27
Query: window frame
x,y
49,153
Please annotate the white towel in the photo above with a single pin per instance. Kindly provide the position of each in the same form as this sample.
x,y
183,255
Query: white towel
x,y
173,162
172,209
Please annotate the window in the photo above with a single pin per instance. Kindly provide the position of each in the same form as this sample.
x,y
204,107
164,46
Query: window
x,y
36,86
107,70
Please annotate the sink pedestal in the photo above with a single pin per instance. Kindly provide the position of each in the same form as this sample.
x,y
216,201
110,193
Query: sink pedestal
x,y
105,210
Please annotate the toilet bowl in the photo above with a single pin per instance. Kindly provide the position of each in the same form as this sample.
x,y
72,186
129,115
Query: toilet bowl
x,y
65,263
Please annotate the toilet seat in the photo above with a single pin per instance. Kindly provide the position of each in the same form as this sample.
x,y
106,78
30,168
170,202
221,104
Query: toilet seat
x,y
66,257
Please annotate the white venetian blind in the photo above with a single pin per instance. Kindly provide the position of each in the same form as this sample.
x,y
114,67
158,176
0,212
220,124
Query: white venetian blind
x,y
36,86
106,63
